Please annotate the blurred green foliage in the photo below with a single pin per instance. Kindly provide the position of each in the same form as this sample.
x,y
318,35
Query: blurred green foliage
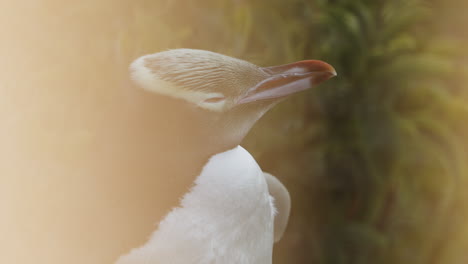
x,y
395,154
375,159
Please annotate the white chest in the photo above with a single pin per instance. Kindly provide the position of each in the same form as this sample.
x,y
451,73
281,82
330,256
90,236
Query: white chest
x,y
226,218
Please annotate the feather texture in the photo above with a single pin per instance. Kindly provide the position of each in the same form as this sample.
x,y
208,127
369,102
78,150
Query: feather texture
x,y
227,217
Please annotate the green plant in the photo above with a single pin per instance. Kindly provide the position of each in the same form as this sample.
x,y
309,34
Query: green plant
x,y
394,151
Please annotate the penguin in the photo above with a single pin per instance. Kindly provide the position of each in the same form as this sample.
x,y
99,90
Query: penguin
x,y
233,212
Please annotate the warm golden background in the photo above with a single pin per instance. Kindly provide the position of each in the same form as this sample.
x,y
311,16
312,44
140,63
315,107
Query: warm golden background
x,y
375,160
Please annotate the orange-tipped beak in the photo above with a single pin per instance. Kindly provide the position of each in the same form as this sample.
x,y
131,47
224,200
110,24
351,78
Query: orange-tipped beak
x,y
288,79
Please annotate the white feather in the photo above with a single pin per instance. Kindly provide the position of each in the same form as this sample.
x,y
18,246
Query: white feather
x,y
226,218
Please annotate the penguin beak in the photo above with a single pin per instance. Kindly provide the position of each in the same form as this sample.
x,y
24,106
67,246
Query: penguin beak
x,y
288,79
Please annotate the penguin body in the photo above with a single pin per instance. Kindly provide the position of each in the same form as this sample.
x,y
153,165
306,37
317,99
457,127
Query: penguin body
x,y
227,217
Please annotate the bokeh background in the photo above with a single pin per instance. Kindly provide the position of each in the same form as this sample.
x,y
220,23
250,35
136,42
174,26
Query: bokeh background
x,y
375,159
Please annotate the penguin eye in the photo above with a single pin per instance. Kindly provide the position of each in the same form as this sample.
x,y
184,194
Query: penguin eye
x,y
214,99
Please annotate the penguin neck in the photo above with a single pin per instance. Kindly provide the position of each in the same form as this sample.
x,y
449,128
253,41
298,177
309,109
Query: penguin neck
x,y
184,129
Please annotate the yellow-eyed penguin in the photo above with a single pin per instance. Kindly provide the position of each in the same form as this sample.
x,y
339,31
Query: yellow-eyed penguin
x,y
234,212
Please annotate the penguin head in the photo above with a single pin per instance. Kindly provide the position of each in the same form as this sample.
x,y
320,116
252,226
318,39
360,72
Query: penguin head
x,y
232,93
